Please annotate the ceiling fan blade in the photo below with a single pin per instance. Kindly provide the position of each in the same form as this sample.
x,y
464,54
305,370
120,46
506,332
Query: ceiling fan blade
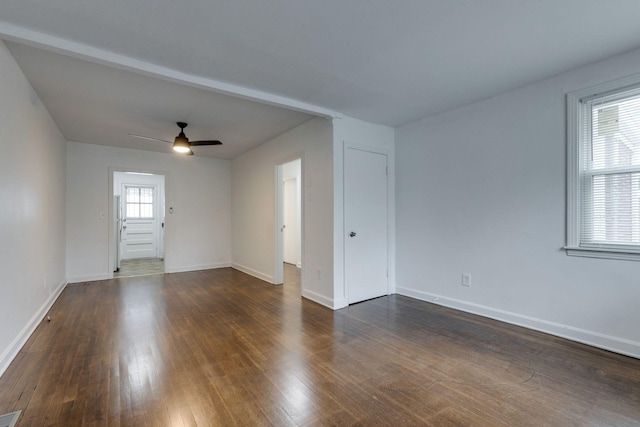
x,y
149,138
196,143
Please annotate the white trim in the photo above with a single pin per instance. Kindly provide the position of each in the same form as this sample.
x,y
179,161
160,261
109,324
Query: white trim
x,y
602,253
573,170
320,299
602,88
89,277
16,345
594,339
340,303
255,273
574,203
196,267
85,52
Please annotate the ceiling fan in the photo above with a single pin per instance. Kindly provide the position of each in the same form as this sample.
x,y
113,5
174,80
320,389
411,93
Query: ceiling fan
x,y
181,143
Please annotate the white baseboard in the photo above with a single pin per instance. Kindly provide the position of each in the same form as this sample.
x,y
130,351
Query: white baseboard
x,y
340,303
255,273
594,339
14,348
88,278
196,267
320,299
313,296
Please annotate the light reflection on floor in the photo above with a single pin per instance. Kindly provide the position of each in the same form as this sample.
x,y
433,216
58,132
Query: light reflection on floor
x,y
141,358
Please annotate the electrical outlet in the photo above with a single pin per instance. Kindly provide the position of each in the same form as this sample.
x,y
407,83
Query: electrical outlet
x,y
466,280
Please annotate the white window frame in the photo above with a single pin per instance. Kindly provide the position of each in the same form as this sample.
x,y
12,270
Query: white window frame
x,y
574,136
153,202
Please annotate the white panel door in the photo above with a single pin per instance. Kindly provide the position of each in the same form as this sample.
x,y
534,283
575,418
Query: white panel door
x,y
140,223
365,209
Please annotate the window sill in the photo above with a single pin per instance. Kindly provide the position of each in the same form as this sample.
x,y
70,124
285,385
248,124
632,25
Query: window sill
x,y
603,253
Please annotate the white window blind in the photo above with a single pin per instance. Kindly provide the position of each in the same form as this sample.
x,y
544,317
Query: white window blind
x,y
609,171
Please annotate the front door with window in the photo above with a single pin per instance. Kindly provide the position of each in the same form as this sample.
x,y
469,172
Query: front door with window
x,y
140,222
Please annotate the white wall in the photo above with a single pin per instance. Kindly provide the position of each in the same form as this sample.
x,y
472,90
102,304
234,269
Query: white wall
x,y
382,138
32,194
197,234
253,206
481,190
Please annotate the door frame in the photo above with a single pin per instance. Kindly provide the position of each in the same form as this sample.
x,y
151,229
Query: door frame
x,y
391,288
278,268
111,227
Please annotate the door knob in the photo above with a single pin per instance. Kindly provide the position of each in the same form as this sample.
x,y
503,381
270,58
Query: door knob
x,y
352,234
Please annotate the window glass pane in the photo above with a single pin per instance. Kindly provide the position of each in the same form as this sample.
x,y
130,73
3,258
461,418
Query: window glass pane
x,y
146,211
133,194
133,210
146,195
616,134
614,209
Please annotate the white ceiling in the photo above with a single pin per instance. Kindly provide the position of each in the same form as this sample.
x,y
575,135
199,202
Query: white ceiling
x,y
101,105
387,62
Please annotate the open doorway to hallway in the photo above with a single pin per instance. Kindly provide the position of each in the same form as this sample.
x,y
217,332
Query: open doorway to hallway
x,y
290,215
138,223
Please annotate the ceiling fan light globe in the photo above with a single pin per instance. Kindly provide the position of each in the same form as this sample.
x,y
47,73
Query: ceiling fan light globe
x,y
181,149
181,144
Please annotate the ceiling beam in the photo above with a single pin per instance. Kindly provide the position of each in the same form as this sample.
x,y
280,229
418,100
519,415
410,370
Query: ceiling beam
x,y
83,51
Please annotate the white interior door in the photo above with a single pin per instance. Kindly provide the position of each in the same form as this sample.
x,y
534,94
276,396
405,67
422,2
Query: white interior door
x,y
140,223
366,241
290,224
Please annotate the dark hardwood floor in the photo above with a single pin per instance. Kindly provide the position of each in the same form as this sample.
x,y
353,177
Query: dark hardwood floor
x,y
221,348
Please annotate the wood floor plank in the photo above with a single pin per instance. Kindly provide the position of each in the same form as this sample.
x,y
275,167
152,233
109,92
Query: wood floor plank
x,y
221,348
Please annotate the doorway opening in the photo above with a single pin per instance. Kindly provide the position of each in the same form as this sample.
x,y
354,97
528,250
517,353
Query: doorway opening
x,y
289,223
137,223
